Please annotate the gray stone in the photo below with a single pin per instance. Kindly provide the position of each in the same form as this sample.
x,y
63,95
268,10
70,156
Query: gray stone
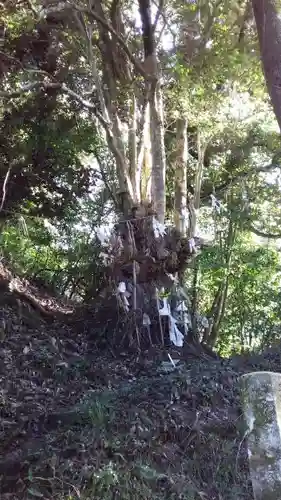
x,y
261,395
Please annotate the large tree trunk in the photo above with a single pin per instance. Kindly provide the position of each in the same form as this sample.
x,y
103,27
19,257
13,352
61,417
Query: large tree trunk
x,y
268,20
158,171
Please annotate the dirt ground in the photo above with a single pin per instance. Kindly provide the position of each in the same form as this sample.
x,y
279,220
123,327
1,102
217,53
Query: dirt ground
x,y
77,423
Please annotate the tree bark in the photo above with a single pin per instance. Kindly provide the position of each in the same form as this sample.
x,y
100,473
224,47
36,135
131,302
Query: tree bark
x,y
180,208
147,158
268,20
132,143
158,171
199,171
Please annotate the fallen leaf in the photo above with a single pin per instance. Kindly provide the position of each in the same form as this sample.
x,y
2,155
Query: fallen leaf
x,y
35,493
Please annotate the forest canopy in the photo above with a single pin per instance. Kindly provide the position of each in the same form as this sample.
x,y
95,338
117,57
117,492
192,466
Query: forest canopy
x,y
117,111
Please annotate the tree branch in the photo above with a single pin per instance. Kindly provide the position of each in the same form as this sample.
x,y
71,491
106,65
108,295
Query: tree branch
x,y
56,85
264,235
112,140
242,175
86,104
91,14
166,23
28,88
32,8
158,14
88,31
10,58
209,24
4,188
147,28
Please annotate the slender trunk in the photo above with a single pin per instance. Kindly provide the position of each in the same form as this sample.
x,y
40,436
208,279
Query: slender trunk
x,y
132,143
242,338
122,170
194,200
147,158
268,20
219,313
180,207
218,308
211,314
143,150
194,301
199,171
158,173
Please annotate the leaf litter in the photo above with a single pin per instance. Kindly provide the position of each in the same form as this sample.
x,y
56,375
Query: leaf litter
x,y
83,424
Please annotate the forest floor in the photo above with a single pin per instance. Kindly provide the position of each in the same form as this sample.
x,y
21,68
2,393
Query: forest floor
x,y
79,424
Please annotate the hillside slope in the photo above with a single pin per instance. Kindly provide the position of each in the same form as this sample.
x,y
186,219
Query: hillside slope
x,y
82,424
